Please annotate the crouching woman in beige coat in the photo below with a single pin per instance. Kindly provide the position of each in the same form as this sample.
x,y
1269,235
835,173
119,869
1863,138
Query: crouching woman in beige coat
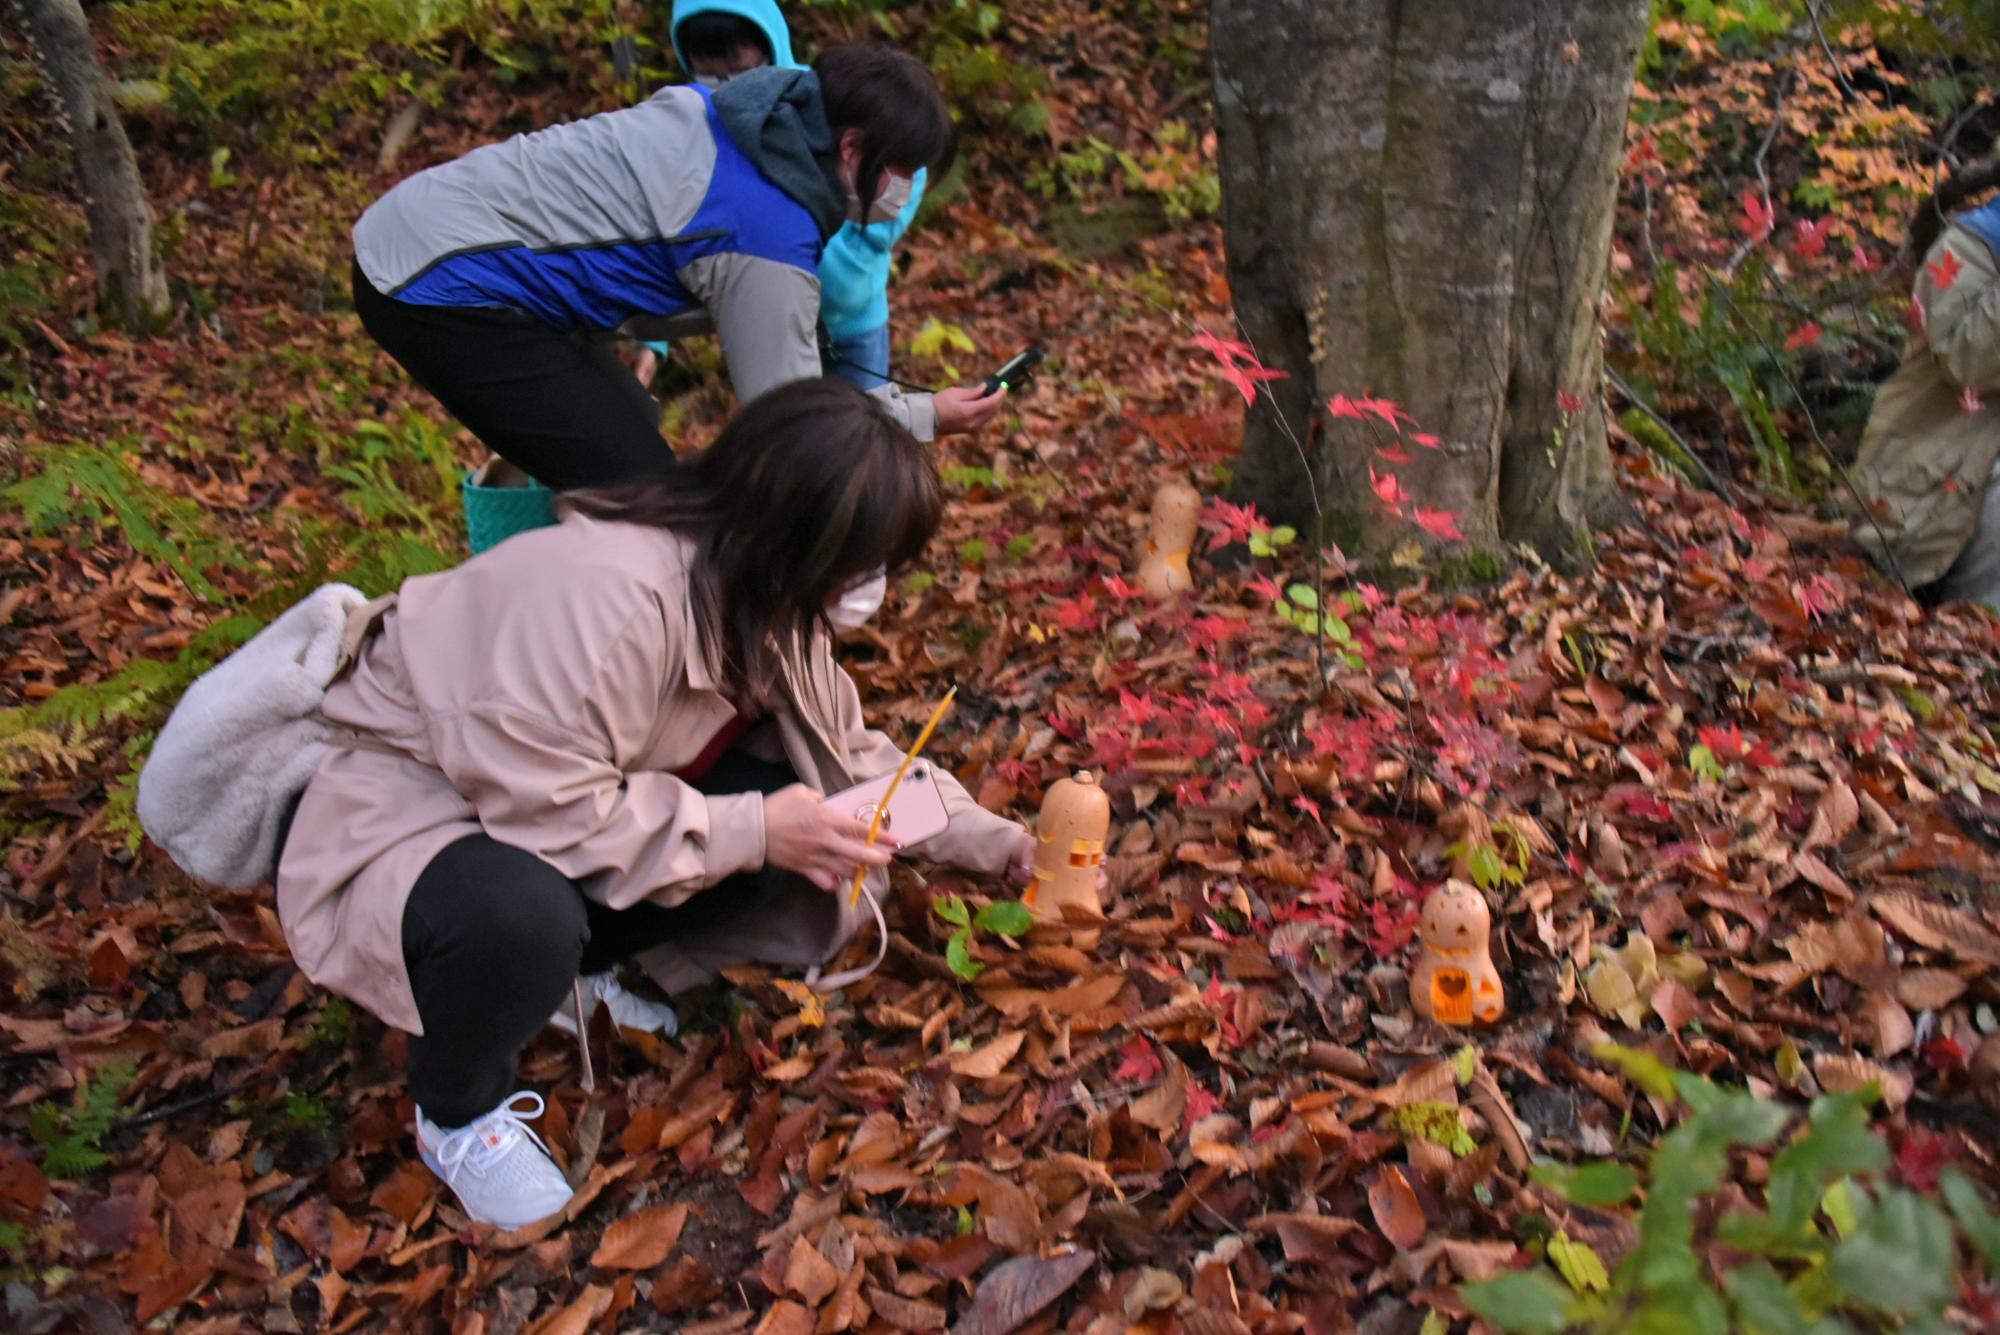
x,y
608,740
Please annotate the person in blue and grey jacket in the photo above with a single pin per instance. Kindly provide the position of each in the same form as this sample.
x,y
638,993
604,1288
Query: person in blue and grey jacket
x,y
497,280
719,39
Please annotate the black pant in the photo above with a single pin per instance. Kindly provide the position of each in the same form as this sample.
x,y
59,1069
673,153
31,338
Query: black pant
x,y
557,403
493,937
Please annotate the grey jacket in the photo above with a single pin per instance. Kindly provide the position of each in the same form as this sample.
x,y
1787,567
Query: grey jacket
x,y
690,213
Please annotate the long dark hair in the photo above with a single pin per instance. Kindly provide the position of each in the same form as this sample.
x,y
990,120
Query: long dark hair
x,y
810,488
896,104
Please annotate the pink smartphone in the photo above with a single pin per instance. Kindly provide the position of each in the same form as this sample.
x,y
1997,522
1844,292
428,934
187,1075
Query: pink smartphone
x,y
915,813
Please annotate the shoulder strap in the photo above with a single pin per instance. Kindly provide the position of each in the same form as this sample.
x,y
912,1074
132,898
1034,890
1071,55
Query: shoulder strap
x,y
362,622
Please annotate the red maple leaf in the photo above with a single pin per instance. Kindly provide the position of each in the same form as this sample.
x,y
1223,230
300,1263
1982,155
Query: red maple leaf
x,y
1225,350
1017,772
1811,238
1109,751
1817,596
1757,218
1922,1156
1246,378
1440,524
1386,409
1944,1054
1805,336
1731,745
1388,487
1310,808
1139,1063
1200,1104
1427,440
1267,587
1944,272
1569,402
1395,454
1863,260
1342,406
1079,613
1120,590
1139,710
1230,522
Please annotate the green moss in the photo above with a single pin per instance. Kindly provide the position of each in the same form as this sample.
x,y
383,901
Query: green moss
x,y
1469,567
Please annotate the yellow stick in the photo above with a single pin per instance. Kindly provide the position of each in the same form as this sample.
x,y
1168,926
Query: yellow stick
x,y
875,825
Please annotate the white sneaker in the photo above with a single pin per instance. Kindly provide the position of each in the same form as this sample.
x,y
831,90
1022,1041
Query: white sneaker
x,y
498,1167
630,1011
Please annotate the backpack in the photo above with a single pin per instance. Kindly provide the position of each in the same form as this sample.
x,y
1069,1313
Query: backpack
x,y
247,737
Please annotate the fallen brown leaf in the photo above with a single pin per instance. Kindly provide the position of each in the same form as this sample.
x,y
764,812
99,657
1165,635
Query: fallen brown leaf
x,y
1394,1205
988,1060
641,1241
1014,1291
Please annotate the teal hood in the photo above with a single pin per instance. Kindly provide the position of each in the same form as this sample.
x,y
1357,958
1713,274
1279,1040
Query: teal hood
x,y
763,13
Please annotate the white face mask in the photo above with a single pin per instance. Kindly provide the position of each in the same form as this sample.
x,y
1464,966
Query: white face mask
x,y
890,201
852,609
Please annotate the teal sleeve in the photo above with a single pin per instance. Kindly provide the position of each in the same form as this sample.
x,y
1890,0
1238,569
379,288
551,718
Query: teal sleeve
x,y
854,270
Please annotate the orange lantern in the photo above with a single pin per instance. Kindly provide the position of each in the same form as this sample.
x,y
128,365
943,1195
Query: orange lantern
x,y
1455,982
1163,572
1069,852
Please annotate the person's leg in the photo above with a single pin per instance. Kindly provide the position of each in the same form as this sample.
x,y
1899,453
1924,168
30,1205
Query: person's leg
x,y
556,403
862,360
492,937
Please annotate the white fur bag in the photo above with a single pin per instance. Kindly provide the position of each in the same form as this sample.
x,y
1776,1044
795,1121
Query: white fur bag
x,y
244,741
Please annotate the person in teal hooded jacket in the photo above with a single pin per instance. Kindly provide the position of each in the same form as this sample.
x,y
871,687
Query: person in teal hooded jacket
x,y
718,39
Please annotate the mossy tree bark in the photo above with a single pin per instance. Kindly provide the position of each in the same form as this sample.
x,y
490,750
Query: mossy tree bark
x,y
131,284
1417,201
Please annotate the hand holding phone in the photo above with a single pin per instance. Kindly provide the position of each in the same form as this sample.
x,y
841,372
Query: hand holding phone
x,y
1019,370
915,813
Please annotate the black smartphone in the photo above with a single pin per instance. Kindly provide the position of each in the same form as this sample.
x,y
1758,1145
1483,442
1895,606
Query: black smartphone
x,y
1018,371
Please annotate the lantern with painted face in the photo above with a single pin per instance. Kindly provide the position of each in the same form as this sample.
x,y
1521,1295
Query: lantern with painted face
x,y
1163,571
1069,848
1455,982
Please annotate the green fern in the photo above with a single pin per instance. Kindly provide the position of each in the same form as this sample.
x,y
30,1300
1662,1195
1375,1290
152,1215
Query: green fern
x,y
55,735
96,485
72,1138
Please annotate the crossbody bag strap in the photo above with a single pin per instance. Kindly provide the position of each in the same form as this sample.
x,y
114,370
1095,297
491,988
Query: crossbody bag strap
x,y
362,623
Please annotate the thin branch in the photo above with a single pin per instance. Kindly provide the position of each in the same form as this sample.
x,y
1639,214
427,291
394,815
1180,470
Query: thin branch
x,y
1847,89
1750,243
1631,396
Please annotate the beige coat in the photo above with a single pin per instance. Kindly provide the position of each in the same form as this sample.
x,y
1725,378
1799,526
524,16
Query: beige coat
x,y
543,692
1924,459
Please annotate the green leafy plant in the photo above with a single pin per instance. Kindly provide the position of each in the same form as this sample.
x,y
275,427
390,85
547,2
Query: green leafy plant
x,y
331,1029
71,1136
306,1112
1004,917
97,485
1833,1239
1489,865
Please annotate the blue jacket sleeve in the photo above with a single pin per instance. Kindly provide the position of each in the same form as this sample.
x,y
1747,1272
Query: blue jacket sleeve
x,y
854,271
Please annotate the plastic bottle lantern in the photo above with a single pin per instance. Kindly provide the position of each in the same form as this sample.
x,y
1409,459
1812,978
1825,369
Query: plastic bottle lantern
x,y
1163,572
1455,981
1069,854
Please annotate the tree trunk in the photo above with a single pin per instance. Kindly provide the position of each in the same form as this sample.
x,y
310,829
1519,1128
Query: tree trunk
x,y
131,284
1417,201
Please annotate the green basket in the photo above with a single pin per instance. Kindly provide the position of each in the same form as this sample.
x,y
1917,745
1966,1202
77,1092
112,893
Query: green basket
x,y
494,514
